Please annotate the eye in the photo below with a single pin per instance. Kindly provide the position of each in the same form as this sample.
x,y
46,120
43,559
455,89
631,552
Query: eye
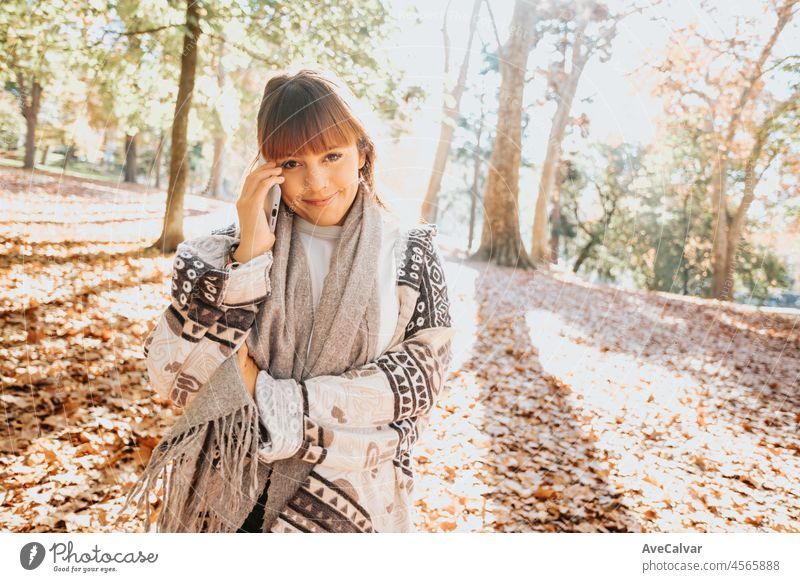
x,y
333,157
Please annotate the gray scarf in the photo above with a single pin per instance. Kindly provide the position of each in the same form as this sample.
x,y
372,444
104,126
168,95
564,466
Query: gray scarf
x,y
207,460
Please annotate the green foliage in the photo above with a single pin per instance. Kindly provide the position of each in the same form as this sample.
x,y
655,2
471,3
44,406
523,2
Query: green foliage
x,y
676,217
12,127
44,39
646,217
598,192
760,274
113,65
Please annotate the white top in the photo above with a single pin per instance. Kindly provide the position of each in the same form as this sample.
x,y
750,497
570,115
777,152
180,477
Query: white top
x,y
319,243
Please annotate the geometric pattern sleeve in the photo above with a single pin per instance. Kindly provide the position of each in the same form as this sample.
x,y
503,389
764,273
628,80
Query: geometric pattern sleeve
x,y
370,414
212,308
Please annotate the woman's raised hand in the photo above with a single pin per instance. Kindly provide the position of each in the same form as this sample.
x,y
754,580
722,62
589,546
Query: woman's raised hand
x,y
256,236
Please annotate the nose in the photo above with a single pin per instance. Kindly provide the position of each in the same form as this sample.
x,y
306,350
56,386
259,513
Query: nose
x,y
316,182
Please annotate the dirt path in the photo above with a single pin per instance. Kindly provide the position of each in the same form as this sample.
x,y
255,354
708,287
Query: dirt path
x,y
594,409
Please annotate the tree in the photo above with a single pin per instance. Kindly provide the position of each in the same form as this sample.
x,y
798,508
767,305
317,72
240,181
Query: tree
x,y
724,80
38,42
477,167
501,242
644,215
130,158
451,106
156,167
472,145
220,131
581,29
597,190
172,231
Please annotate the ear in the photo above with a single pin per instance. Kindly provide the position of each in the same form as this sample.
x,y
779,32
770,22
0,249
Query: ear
x,y
362,159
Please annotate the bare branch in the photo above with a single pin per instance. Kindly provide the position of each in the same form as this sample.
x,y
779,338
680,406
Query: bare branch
x,y
779,63
784,15
761,137
494,27
253,55
149,30
446,39
119,35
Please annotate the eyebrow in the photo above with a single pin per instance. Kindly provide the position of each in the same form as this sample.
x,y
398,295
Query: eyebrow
x,y
338,147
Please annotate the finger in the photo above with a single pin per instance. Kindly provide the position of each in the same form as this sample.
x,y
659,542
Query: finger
x,y
267,168
263,175
259,190
270,181
266,181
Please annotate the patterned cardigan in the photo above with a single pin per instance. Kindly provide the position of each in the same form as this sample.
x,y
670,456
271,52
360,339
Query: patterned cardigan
x,y
359,427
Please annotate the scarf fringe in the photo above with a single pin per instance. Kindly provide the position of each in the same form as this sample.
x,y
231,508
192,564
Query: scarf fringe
x,y
216,482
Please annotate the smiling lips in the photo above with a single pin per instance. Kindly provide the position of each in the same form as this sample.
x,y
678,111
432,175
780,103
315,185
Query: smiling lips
x,y
323,202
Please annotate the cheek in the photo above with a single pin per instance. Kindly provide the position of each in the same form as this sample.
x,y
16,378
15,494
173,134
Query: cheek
x,y
347,175
291,189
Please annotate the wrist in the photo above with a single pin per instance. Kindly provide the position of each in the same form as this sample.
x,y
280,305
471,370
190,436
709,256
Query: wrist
x,y
244,253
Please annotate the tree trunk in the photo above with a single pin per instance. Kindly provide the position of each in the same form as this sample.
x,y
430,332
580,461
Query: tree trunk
x,y
555,216
101,157
452,103
69,155
172,231
157,160
501,242
29,106
476,175
43,158
540,247
723,263
751,178
215,179
583,255
130,158
684,259
215,182
720,285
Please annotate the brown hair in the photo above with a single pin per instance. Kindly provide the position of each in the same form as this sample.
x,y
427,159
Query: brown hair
x,y
309,112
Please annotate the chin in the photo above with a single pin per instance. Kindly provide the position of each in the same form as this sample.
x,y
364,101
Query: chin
x,y
330,215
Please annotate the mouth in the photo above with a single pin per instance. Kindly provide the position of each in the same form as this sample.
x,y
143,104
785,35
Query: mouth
x,y
322,201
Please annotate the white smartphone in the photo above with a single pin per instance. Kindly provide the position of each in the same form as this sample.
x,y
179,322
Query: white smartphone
x,y
272,202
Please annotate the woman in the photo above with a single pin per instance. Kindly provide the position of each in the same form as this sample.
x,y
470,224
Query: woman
x,y
341,332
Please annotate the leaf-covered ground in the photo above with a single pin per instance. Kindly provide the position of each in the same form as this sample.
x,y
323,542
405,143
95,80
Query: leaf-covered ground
x,y
569,407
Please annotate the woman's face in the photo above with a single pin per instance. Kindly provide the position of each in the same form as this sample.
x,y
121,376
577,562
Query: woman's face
x,y
330,177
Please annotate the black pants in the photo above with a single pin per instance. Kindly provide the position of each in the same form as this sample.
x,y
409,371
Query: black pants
x,y
255,520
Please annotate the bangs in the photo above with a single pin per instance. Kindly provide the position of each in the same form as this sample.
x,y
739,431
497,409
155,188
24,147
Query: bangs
x,y
305,121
